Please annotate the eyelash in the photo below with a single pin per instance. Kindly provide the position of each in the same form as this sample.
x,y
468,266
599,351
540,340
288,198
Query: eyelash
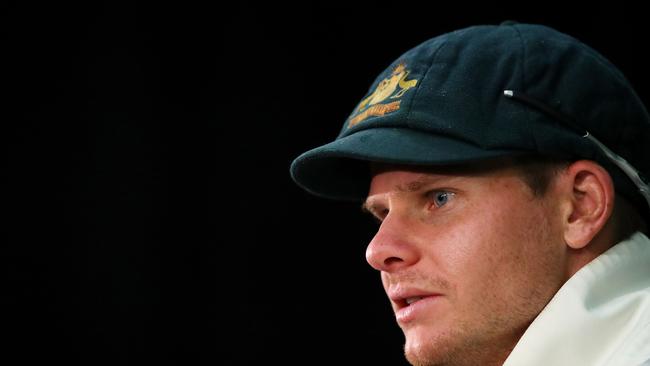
x,y
379,217
432,196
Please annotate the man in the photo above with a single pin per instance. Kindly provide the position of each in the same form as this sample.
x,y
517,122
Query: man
x,y
505,166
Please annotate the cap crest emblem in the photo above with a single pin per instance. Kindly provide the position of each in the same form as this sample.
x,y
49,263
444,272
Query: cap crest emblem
x,y
392,87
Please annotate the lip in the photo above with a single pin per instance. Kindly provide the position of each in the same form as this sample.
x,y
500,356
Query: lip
x,y
406,313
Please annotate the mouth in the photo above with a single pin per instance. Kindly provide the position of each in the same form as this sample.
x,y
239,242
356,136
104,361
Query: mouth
x,y
408,301
413,299
409,305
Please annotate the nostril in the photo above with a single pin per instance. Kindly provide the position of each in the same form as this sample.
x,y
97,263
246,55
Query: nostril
x,y
389,261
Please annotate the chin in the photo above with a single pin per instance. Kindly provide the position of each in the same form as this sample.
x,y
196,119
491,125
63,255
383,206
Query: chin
x,y
421,357
426,348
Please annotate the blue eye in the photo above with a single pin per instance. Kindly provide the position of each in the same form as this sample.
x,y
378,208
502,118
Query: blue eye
x,y
440,198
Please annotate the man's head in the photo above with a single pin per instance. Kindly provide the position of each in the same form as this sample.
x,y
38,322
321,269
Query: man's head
x,y
470,255
477,236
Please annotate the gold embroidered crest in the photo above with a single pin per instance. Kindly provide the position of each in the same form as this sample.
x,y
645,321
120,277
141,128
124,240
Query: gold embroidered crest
x,y
387,88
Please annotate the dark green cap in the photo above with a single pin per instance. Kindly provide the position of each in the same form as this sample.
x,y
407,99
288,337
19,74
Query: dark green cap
x,y
485,92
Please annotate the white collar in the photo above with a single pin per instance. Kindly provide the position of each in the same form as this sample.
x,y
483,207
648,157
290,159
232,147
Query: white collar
x,y
600,316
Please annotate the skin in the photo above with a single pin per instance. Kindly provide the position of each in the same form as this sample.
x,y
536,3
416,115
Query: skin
x,y
487,253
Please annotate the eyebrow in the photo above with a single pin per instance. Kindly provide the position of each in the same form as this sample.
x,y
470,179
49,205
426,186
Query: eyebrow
x,y
420,182
365,207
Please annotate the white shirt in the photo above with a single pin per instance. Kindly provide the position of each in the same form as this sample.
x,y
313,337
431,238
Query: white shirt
x,y
599,317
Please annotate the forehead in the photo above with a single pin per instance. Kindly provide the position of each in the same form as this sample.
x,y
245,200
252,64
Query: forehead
x,y
405,178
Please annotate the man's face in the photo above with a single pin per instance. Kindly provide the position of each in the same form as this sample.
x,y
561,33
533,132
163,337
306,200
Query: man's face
x,y
467,259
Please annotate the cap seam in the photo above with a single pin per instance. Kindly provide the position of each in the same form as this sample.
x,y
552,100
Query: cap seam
x,y
424,77
524,58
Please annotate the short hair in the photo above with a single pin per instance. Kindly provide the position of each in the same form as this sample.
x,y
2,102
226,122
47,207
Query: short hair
x,y
538,173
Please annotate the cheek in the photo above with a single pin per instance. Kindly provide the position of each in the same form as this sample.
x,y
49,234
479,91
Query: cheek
x,y
498,252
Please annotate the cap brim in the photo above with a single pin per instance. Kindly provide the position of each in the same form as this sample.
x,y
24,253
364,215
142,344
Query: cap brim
x,y
340,170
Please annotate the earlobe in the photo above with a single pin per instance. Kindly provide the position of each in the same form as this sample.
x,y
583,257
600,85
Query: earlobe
x,y
591,202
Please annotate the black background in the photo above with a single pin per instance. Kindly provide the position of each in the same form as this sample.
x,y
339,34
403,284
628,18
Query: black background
x,y
149,214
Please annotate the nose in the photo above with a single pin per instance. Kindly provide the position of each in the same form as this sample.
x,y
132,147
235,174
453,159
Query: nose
x,y
392,248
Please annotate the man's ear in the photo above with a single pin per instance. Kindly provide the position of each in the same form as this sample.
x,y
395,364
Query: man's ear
x,y
589,192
